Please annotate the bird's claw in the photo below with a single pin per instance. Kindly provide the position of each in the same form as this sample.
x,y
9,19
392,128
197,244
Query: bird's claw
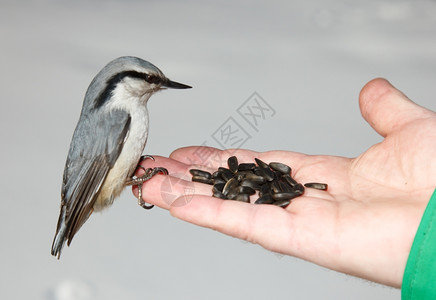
x,y
144,157
138,181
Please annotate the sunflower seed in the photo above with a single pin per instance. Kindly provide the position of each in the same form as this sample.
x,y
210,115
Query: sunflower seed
x,y
226,174
218,194
231,185
266,173
299,188
261,163
243,198
282,168
251,184
246,190
265,199
264,189
232,162
222,169
219,180
255,178
201,173
218,187
282,203
216,174
291,181
316,185
275,187
240,175
246,166
202,179
285,195
284,186
232,194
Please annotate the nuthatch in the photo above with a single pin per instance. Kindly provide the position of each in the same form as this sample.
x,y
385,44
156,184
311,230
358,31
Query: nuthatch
x,y
108,142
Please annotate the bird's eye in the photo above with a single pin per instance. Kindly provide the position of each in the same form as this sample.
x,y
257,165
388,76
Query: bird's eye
x,y
152,79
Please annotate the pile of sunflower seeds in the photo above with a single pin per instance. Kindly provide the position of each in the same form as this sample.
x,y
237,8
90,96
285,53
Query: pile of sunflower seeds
x,y
272,182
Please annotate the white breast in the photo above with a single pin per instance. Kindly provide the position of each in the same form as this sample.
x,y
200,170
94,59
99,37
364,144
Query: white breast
x,y
132,149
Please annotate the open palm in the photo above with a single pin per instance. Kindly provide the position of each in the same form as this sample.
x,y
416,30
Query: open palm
x,y
363,225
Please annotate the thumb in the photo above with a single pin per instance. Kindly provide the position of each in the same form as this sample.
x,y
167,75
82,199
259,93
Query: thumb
x,y
386,109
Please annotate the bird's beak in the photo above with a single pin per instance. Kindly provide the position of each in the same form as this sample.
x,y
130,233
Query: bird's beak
x,y
175,85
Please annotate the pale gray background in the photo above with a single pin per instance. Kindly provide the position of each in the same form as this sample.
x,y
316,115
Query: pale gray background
x,y
307,59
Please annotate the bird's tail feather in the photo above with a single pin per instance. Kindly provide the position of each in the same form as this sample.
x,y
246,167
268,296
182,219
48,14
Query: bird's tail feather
x,y
60,236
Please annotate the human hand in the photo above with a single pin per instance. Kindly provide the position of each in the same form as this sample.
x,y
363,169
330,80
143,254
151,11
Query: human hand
x,y
363,225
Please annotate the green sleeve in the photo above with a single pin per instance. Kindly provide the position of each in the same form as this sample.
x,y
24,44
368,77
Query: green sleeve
x,y
419,280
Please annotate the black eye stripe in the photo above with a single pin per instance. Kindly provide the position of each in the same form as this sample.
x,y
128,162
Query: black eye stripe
x,y
150,78
114,80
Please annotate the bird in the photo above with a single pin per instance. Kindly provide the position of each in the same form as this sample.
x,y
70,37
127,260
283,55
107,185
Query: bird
x,y
108,142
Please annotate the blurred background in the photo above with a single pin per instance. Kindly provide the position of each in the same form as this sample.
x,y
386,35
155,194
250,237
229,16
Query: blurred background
x,y
307,60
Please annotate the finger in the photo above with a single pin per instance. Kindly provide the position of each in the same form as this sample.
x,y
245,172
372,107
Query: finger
x,y
211,157
174,167
197,155
260,224
166,190
386,109
163,190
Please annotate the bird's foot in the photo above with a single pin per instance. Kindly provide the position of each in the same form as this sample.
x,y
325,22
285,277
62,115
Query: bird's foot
x,y
144,157
138,181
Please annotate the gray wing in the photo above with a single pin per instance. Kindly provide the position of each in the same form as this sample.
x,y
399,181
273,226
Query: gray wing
x,y
95,147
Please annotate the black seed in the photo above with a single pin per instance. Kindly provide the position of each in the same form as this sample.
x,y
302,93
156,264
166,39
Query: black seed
x,y
218,194
299,188
219,180
230,186
261,163
243,198
266,173
284,186
222,169
251,184
202,179
285,195
233,163
240,175
218,187
201,173
216,174
232,195
246,190
246,166
264,189
255,178
316,185
265,199
282,203
275,187
227,175
277,174
290,180
282,168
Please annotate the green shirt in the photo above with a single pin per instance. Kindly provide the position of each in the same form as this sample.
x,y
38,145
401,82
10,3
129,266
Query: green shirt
x,y
419,280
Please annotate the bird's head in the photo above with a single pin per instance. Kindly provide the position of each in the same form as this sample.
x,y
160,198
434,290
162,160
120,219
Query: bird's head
x,y
127,78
